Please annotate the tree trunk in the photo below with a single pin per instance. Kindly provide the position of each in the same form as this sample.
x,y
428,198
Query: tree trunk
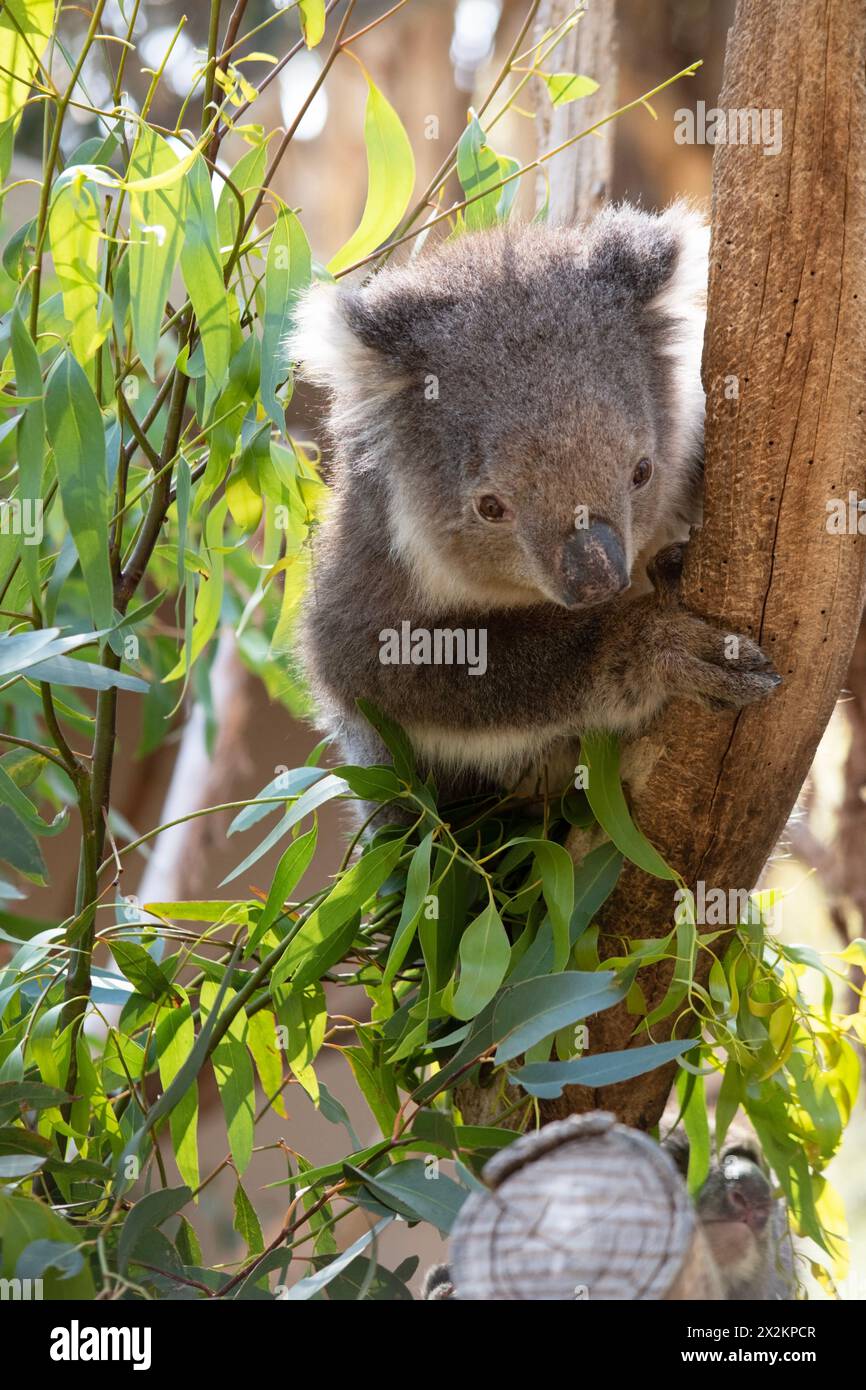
x,y
785,375
579,184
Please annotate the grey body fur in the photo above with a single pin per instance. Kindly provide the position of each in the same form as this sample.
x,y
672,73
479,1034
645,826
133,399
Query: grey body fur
x,y
538,366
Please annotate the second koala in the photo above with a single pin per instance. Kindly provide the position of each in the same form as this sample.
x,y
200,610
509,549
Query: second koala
x,y
517,422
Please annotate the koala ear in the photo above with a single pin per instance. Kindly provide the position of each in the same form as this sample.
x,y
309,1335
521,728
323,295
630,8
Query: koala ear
x,y
649,255
336,342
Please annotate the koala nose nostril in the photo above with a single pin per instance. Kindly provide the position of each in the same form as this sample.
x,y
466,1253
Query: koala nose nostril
x,y
593,564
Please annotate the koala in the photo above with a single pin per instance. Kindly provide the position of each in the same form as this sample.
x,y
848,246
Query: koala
x,y
517,424
745,1226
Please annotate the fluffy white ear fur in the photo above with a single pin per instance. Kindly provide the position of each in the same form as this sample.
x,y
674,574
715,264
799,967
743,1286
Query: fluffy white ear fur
x,y
683,303
358,378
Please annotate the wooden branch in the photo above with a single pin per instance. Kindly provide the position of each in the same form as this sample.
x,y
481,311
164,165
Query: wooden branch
x,y
785,374
579,184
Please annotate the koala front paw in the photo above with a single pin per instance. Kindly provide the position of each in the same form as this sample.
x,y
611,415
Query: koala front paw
x,y
721,670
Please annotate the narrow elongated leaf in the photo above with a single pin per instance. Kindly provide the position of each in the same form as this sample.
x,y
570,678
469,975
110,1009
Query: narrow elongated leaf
x,y
201,267
311,950
141,969
62,670
208,603
285,784
408,1188
324,790
74,230
288,272
390,180
605,796
478,168
246,1223
157,224
31,438
175,1038
75,430
25,26
146,1216
417,888
21,651
312,16
546,1079
19,848
290,869
233,1069
537,1008
484,955
314,1283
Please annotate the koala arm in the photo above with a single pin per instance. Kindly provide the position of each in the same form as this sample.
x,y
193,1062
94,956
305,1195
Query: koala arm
x,y
557,671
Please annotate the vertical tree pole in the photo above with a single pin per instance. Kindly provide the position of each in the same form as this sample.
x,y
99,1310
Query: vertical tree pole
x,y
785,375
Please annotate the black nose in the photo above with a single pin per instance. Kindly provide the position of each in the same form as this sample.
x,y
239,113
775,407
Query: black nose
x,y
593,565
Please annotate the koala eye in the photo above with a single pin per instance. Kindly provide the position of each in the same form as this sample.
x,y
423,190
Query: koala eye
x,y
491,509
642,473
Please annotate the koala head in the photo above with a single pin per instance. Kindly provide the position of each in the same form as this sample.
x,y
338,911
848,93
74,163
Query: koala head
x,y
529,398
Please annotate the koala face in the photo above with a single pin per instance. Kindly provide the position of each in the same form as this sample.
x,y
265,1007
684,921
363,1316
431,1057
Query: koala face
x,y
530,399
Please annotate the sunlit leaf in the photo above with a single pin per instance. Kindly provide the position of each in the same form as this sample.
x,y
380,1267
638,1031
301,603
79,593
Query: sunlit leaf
x,y
390,180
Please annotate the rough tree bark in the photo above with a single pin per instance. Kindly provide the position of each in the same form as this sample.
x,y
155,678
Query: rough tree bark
x,y
787,293
579,186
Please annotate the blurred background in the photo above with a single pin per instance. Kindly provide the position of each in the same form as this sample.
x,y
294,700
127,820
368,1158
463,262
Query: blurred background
x,y
433,59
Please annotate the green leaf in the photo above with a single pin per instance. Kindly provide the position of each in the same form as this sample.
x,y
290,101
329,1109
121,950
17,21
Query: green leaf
x,y
288,272
141,970
409,1190
74,230
284,786
390,180
175,1037
246,1223
568,86
538,1008
233,1070
314,1283
480,168
605,796
25,26
19,848
146,1216
262,1043
62,670
394,739
156,230
312,950
208,603
304,1014
292,866
201,267
23,807
76,433
23,1221
484,955
31,436
312,17
417,889
546,1079
324,789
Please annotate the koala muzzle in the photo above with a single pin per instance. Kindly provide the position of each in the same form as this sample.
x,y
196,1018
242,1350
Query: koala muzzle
x,y
747,1194
593,565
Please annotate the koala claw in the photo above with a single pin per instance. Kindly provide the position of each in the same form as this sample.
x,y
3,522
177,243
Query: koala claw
x,y
727,671
665,570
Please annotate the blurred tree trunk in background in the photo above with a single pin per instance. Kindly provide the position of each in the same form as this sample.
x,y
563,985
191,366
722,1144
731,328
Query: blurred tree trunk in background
x,y
580,183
